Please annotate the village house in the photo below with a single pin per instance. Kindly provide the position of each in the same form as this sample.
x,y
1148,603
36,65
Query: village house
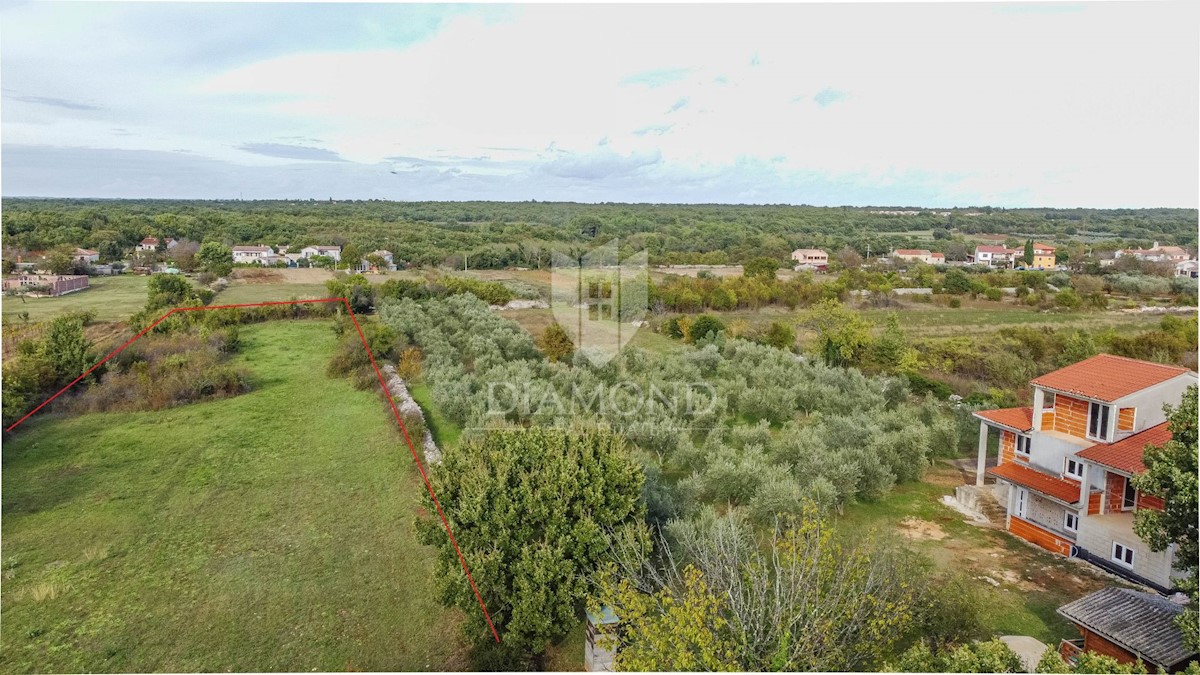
x,y
1187,268
257,255
1129,626
151,244
52,285
810,259
85,256
1156,253
918,255
1065,463
996,256
389,264
334,252
1043,256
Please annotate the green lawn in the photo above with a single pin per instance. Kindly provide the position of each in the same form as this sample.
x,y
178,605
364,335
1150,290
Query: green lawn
x,y
243,293
1030,583
112,298
266,532
445,432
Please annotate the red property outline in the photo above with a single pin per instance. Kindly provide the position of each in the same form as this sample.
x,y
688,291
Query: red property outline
x,y
388,394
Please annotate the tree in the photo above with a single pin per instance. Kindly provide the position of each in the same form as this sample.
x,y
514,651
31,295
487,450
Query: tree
x,y
799,598
780,335
722,299
760,268
168,290
356,288
1028,257
702,326
60,261
1171,475
531,509
215,257
956,282
892,350
842,336
849,258
556,344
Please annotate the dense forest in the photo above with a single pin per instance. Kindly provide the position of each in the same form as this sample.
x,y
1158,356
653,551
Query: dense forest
x,y
506,234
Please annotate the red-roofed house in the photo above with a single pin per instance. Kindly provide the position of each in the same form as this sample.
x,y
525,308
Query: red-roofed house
x,y
996,256
1065,464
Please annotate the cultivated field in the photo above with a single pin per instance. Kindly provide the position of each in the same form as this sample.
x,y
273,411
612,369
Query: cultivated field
x,y
272,531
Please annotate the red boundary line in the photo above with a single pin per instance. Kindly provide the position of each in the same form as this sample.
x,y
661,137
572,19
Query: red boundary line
x,y
379,375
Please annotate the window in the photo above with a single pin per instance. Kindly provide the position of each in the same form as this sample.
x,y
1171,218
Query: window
x,y
1070,522
1048,400
1023,446
1074,469
1122,555
1130,496
1098,420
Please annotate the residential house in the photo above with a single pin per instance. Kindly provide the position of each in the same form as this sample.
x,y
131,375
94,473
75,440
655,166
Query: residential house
x,y
810,259
86,256
334,252
916,255
1043,256
1065,463
151,244
52,285
996,256
257,255
937,258
1156,253
389,264
1187,268
1129,626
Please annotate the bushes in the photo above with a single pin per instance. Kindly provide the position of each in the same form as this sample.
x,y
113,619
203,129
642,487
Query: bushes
x,y
704,328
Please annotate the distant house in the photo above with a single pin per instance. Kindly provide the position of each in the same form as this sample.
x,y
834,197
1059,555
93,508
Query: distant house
x,y
1156,253
389,264
996,256
937,258
86,256
810,259
915,255
334,252
1187,268
1129,626
52,285
259,254
148,244
1043,256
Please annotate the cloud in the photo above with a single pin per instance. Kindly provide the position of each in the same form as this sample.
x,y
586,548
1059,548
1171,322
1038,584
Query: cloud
x,y
599,165
285,151
657,78
828,96
55,102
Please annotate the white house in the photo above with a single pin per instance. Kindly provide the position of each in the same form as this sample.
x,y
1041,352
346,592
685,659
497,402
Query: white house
x,y
997,256
1156,253
334,252
148,244
1187,268
389,264
918,255
260,254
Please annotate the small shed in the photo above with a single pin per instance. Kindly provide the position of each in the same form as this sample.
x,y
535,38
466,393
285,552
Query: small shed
x,y
597,657
1128,625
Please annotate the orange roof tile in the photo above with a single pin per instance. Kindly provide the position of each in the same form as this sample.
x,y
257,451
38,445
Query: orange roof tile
x,y
1020,419
1053,486
1105,377
1126,454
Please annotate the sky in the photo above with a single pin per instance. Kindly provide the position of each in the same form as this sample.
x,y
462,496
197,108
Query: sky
x,y
945,104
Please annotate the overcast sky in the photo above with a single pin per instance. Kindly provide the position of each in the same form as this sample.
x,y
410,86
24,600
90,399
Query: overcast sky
x,y
1092,104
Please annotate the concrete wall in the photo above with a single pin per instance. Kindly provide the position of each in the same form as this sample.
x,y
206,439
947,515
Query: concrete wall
x,y
1097,534
1149,402
1048,514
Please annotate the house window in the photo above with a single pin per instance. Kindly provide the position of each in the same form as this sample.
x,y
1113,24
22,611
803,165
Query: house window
x,y
1070,522
1098,420
1122,555
1021,502
1074,469
1130,496
1048,400
1023,446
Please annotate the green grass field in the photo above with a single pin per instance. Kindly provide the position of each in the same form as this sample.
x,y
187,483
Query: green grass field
x,y
271,531
1030,583
111,298
245,293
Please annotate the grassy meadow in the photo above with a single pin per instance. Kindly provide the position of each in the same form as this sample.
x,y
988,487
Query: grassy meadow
x,y
272,531
111,298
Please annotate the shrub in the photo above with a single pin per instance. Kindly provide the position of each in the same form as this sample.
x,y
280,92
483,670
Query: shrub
x,y
955,303
993,294
704,327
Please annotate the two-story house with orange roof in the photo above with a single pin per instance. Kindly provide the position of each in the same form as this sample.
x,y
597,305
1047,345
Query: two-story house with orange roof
x,y
1065,463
